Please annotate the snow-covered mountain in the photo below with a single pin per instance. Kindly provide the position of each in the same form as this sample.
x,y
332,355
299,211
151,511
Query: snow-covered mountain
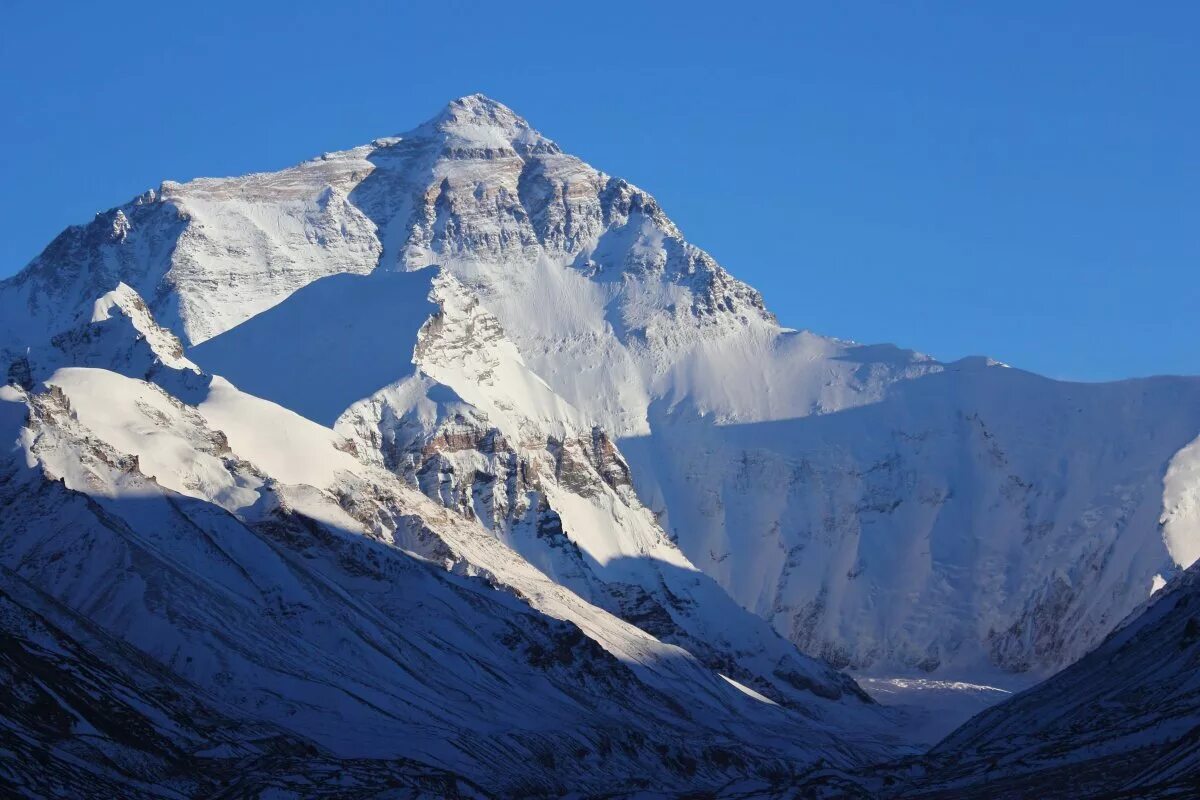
x,y
527,629
515,482
1122,723
1124,720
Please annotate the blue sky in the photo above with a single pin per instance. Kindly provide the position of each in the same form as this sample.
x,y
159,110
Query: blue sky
x,y
1020,180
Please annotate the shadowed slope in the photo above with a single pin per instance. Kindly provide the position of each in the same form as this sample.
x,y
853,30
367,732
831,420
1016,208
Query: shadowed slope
x,y
333,342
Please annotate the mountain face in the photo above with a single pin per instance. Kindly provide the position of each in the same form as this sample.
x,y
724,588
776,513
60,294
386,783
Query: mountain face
x,y
88,716
450,447
1124,720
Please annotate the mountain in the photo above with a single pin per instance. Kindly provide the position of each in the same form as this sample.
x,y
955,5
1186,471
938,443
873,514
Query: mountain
x,y
299,561
1124,720
88,716
450,447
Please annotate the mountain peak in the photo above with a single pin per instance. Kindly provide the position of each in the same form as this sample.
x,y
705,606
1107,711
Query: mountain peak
x,y
476,120
478,102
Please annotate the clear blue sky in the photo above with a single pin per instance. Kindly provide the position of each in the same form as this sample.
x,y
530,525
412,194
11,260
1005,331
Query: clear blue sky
x,y
1020,179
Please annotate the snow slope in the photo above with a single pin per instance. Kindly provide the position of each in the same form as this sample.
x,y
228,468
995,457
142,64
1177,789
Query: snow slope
x,y
84,715
975,520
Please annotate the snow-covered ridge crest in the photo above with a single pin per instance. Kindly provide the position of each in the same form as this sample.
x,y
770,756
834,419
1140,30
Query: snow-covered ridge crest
x,y
474,183
124,301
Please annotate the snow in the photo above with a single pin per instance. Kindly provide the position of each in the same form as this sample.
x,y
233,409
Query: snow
x,y
168,437
1181,505
267,239
746,690
471,356
125,306
1123,716
937,528
342,637
102,310
12,419
608,532
936,707
285,445
140,419
335,341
